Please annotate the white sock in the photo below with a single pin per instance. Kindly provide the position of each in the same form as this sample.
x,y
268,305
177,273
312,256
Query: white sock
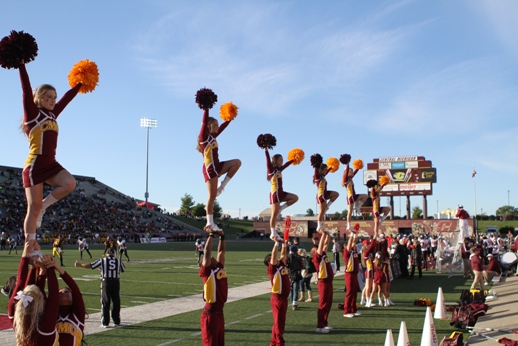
x,y
210,219
273,231
349,225
224,182
48,201
329,205
319,224
284,206
31,236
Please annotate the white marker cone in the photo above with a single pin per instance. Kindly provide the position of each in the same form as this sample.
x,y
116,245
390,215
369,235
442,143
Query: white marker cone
x,y
389,340
429,337
402,339
440,307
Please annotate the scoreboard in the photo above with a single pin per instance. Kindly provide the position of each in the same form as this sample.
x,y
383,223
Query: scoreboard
x,y
408,175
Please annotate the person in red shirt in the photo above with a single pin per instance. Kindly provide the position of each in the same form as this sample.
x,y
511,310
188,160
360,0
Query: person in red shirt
x,y
212,167
351,264
465,253
34,317
215,291
477,263
277,194
463,221
40,126
280,279
493,269
325,277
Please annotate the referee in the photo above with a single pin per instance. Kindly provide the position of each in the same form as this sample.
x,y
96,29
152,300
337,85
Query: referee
x,y
111,267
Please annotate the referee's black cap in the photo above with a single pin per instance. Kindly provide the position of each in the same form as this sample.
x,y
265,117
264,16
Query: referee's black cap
x,y
111,251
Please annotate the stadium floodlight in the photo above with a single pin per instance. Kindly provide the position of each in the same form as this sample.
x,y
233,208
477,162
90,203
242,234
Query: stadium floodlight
x,y
148,124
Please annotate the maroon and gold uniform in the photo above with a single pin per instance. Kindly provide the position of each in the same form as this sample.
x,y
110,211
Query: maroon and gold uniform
x,y
215,290
325,277
42,130
347,182
351,261
46,332
320,181
277,194
382,274
71,319
280,279
209,145
375,197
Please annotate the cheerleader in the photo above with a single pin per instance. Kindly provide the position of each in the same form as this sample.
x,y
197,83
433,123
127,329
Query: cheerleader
x,y
40,126
369,275
323,195
379,214
325,277
208,146
280,280
354,200
274,168
34,316
351,263
381,276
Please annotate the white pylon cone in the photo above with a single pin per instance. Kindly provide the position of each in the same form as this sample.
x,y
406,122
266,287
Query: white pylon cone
x,y
429,337
402,339
440,307
389,340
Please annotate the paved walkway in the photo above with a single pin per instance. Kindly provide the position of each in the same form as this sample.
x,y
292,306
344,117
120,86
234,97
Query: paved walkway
x,y
501,316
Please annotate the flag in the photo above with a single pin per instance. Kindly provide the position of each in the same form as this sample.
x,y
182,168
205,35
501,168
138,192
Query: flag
x,y
473,174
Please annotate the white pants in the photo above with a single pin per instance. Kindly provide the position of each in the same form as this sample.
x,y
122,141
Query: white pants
x,y
464,228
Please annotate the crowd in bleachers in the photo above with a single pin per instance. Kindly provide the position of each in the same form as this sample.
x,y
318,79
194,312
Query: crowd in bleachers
x,y
82,215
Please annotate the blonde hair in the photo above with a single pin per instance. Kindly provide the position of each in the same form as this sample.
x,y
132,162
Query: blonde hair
x,y
26,319
210,120
379,259
38,93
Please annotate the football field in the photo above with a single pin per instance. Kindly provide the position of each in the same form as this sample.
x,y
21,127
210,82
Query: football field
x,y
160,273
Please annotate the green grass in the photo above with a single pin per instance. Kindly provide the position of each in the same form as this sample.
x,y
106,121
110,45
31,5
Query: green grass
x,y
164,271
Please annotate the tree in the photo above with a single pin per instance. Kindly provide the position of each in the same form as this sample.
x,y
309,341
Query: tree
x,y
199,210
336,216
309,212
506,210
217,210
187,204
417,213
343,215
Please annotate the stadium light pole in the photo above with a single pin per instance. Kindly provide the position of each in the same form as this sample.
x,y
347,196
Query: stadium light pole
x,y
148,124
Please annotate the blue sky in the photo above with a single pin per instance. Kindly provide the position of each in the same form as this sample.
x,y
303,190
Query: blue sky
x,y
371,78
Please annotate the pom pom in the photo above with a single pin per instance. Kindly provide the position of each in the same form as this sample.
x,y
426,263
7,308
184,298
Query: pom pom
x,y
345,159
16,49
332,164
358,164
266,141
356,227
384,180
296,155
86,73
316,160
228,111
205,98
371,183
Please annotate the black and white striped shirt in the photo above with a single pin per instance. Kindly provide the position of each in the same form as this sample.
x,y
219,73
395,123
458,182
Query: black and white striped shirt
x,y
111,267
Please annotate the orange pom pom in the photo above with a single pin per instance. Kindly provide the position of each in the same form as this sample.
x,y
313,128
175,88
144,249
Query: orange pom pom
x,y
384,180
296,155
358,164
86,73
332,164
228,111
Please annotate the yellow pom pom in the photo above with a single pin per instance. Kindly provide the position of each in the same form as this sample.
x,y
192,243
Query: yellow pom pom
x,y
384,180
296,155
86,73
228,111
332,164
358,164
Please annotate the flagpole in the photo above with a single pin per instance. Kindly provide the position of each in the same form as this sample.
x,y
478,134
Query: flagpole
x,y
475,190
